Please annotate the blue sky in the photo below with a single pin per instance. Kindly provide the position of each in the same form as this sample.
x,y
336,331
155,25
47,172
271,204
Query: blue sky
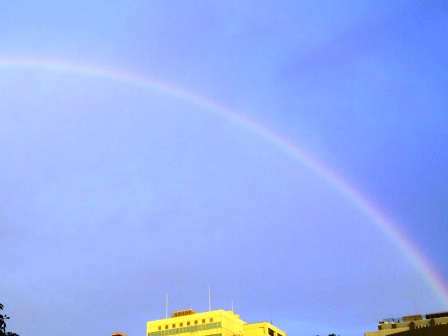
x,y
113,194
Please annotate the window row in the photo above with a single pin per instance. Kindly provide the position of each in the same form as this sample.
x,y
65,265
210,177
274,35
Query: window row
x,y
272,333
181,324
185,329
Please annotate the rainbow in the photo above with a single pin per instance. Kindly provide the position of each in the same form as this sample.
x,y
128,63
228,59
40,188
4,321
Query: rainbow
x,y
428,272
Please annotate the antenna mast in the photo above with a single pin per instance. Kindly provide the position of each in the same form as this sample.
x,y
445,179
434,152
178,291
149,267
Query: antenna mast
x,y
209,299
166,303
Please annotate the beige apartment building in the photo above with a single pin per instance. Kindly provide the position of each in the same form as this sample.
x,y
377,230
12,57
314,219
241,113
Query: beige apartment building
x,y
434,324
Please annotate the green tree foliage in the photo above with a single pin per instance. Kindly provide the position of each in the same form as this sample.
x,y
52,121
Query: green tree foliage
x,y
3,318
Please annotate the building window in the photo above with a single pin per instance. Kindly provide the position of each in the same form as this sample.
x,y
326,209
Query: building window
x,y
203,320
196,322
270,332
181,324
159,328
211,319
166,327
174,325
188,323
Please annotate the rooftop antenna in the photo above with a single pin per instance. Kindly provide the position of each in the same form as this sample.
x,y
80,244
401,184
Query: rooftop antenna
x,y
166,304
232,305
270,308
209,299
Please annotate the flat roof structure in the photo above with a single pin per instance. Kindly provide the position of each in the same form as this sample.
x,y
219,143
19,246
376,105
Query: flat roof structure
x,y
434,324
211,323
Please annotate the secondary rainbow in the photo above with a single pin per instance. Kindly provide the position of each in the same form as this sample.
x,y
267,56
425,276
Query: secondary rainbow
x,y
391,230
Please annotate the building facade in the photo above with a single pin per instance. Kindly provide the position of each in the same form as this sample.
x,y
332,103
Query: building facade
x,y
211,323
429,324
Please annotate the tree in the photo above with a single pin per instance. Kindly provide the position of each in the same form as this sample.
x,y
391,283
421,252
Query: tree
x,y
3,318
